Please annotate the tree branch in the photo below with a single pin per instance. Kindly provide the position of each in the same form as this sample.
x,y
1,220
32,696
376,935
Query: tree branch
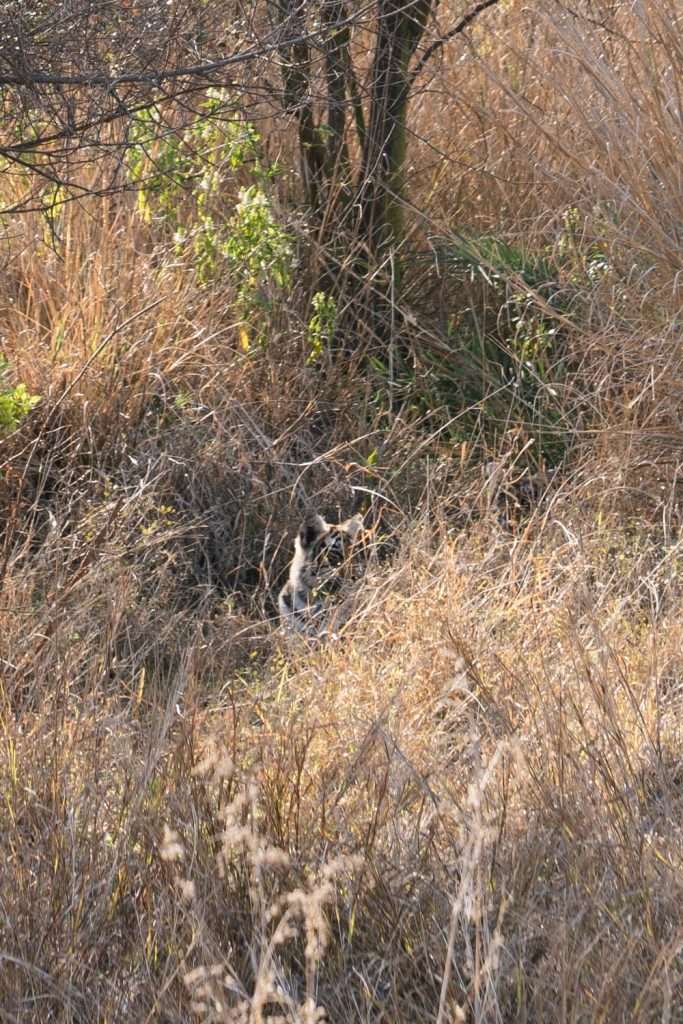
x,y
155,78
439,43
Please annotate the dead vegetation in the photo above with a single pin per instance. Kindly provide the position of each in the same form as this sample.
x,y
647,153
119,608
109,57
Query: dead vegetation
x,y
468,806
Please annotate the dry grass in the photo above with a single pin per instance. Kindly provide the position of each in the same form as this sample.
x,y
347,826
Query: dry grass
x,y
467,806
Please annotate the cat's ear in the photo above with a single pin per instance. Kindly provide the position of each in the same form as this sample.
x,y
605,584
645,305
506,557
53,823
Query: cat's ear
x,y
353,526
312,529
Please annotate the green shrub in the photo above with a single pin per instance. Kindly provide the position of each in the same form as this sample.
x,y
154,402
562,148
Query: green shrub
x,y
321,325
258,249
180,174
15,403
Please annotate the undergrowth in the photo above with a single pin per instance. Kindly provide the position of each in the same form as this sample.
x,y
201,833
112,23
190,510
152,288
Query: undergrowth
x,y
466,806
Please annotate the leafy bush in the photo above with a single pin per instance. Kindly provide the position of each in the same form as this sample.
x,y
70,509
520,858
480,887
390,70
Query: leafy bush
x,y
181,175
258,248
322,325
15,403
506,364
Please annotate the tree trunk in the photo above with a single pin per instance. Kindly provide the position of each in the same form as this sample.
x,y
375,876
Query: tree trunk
x,y
381,181
296,76
400,28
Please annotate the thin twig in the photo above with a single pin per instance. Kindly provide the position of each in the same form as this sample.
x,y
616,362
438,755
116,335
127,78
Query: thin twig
x,y
102,345
438,43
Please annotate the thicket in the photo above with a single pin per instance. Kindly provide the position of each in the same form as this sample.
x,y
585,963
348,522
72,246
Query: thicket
x,y
391,259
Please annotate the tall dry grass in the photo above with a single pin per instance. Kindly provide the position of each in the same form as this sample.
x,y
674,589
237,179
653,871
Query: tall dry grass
x,y
467,806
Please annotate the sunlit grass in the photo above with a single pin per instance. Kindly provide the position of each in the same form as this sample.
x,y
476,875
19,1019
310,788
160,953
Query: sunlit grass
x,y
465,805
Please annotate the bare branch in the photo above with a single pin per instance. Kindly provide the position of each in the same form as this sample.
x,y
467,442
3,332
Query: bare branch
x,y
439,43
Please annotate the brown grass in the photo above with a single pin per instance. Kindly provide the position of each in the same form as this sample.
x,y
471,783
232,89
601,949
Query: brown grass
x,y
467,806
